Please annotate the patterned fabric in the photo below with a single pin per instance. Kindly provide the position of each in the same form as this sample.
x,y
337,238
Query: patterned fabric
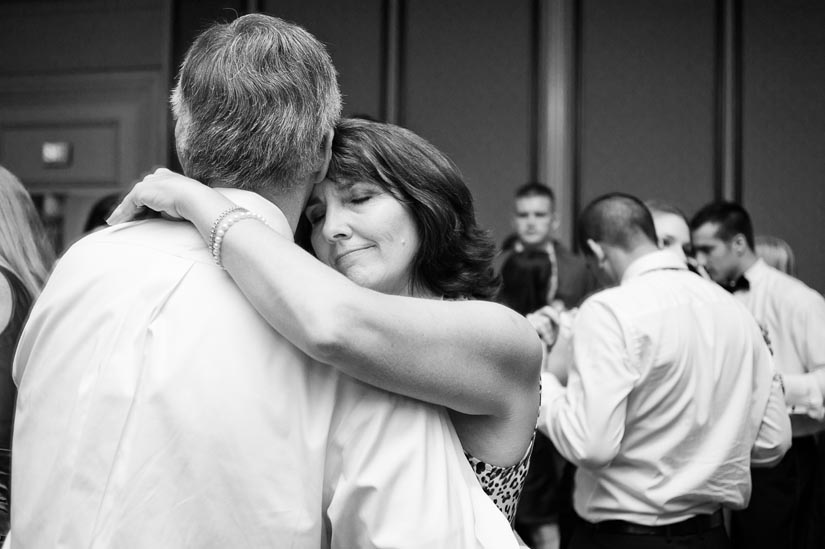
x,y
503,484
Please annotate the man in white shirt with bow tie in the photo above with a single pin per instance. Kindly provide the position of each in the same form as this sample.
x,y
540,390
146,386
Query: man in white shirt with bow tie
x,y
782,510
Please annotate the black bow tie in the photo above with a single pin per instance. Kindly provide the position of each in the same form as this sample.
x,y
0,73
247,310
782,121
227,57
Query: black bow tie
x,y
741,284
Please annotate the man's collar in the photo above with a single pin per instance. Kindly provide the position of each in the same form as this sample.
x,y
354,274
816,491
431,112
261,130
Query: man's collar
x,y
254,202
654,261
757,270
743,282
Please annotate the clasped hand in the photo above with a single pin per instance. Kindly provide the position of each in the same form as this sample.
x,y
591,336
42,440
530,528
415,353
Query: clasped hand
x,y
546,322
554,326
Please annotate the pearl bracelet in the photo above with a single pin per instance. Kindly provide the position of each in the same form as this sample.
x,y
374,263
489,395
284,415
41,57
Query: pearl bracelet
x,y
226,220
218,220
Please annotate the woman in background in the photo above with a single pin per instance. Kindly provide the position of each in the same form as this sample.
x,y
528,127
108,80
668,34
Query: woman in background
x,y
409,315
26,257
776,252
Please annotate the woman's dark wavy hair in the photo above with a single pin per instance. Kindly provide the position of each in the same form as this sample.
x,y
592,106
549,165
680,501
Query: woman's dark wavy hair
x,y
455,256
525,279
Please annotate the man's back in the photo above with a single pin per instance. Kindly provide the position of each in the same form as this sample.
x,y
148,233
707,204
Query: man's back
x,y
157,409
676,380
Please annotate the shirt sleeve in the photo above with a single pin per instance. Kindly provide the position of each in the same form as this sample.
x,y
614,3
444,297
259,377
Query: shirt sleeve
x,y
397,477
774,436
809,325
586,420
804,392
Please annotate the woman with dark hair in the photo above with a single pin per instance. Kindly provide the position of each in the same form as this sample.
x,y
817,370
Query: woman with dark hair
x,y
396,219
524,281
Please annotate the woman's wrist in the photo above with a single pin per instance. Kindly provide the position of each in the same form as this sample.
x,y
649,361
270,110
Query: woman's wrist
x,y
203,209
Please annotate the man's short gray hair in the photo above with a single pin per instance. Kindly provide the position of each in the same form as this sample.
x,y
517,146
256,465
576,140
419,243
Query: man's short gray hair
x,y
255,98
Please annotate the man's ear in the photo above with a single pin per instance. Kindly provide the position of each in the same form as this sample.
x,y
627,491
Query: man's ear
x,y
326,155
739,244
597,249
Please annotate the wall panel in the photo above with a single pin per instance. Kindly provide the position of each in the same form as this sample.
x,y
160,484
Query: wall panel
x,y
82,35
468,78
647,100
783,144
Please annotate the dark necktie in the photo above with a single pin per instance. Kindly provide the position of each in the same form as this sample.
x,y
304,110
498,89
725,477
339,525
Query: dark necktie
x,y
741,284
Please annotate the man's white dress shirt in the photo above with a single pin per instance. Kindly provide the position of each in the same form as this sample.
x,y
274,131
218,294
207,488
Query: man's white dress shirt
x,y
794,317
157,409
670,397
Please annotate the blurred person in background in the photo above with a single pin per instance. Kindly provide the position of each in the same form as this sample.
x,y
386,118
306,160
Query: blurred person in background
x,y
566,278
673,232
672,227
538,271
26,256
776,252
672,394
782,510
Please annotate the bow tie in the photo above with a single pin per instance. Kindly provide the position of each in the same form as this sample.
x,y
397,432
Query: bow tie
x,y
741,284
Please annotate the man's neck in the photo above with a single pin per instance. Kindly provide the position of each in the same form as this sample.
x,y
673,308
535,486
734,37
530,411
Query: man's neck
x,y
291,203
747,261
623,259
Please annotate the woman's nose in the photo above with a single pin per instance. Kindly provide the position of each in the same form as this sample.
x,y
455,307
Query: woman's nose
x,y
336,226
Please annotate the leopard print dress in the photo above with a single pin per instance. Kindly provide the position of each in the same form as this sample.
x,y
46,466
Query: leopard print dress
x,y
503,484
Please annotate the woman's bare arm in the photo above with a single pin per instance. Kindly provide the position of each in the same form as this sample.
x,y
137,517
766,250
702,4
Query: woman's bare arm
x,y
474,357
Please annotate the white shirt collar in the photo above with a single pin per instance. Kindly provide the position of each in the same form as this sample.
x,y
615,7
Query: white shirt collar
x,y
756,271
254,202
654,261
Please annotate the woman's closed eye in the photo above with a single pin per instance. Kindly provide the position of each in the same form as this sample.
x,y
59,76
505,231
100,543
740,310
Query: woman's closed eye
x,y
360,199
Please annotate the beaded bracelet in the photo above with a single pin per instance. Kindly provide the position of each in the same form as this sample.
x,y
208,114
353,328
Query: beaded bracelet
x,y
218,222
216,240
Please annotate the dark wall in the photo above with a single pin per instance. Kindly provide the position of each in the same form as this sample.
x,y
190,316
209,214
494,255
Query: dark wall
x,y
783,137
467,89
647,100
81,35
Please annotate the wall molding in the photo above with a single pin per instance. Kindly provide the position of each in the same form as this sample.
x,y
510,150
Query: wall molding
x,y
133,103
555,126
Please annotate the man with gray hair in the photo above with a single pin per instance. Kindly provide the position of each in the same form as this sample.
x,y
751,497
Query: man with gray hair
x,y
157,409
671,397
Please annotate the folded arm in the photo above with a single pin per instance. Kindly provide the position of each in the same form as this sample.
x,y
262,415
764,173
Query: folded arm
x,y
805,392
470,356
586,420
774,436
